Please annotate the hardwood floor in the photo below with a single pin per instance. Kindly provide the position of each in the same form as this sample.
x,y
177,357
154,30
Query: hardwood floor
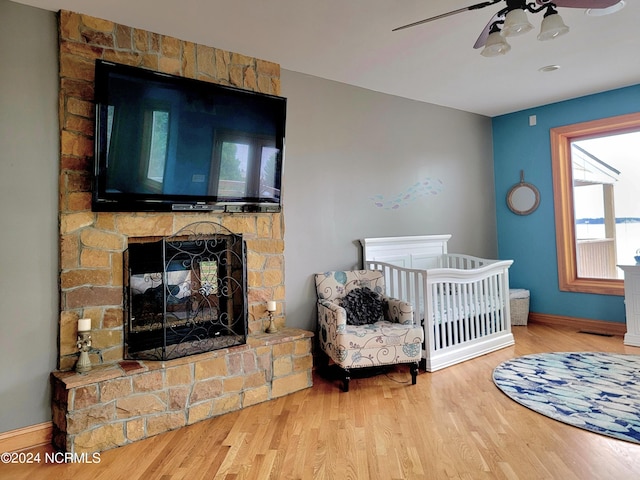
x,y
453,424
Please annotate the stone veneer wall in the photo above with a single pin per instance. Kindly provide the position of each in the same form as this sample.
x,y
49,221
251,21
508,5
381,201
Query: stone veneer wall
x,y
91,244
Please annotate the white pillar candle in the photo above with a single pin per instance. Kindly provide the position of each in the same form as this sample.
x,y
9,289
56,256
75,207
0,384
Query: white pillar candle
x,y
271,306
84,324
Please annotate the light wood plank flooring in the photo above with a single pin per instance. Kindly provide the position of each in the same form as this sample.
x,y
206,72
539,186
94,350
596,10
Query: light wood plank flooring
x,y
453,424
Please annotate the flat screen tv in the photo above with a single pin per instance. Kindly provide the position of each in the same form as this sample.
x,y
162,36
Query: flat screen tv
x,y
164,142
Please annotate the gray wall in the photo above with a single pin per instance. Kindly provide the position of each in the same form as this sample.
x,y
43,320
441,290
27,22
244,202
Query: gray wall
x,y
29,212
345,145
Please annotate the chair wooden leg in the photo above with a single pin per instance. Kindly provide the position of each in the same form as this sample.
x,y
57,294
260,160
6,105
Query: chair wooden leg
x,y
346,380
414,373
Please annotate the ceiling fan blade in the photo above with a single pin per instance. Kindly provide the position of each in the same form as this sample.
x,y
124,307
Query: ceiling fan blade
x,y
579,3
448,14
482,39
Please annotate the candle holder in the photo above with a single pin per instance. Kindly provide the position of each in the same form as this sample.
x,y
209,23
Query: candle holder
x,y
271,307
84,345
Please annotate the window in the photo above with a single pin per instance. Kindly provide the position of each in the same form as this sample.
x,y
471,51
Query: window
x,y
232,178
155,142
268,173
241,155
110,113
591,206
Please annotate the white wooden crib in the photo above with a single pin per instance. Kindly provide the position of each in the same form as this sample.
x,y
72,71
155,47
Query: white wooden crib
x,y
462,301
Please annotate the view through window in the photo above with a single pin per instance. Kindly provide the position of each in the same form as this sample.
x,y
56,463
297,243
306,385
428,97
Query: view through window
x,y
606,171
239,155
159,145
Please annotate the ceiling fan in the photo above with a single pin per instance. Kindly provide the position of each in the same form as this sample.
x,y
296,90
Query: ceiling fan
x,y
512,20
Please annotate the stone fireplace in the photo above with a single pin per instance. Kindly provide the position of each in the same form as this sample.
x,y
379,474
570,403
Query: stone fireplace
x,y
92,244
125,398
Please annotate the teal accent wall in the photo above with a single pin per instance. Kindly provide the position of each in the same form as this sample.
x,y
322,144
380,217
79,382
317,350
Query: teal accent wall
x,y
530,240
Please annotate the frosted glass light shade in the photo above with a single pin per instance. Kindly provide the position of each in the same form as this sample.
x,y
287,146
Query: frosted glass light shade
x,y
495,45
552,26
516,23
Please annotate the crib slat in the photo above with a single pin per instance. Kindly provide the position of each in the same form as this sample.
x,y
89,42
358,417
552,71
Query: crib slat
x,y
497,306
494,304
436,315
466,313
486,299
459,325
481,301
450,314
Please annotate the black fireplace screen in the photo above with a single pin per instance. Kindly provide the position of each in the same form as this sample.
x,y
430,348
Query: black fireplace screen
x,y
185,294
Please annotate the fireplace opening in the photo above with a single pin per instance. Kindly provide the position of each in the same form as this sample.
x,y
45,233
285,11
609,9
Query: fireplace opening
x,y
185,294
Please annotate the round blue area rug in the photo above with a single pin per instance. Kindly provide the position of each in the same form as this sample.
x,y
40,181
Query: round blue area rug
x,y
599,392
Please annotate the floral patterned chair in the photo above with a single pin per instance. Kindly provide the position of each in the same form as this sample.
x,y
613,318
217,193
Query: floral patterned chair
x,y
359,326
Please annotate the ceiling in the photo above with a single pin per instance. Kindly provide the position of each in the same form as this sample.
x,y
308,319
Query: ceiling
x,y
351,41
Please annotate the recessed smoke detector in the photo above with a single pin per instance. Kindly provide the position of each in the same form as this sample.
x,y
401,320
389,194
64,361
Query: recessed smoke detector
x,y
601,12
549,68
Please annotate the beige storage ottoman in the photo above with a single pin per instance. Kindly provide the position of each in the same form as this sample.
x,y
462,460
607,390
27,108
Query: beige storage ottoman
x,y
519,304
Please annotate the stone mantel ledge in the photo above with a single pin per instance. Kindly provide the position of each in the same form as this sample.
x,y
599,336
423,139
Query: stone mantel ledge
x,y
104,372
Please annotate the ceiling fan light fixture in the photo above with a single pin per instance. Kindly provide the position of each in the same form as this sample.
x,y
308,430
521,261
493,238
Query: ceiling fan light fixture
x,y
552,26
516,23
495,45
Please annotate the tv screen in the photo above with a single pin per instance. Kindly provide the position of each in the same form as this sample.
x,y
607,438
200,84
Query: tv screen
x,y
164,142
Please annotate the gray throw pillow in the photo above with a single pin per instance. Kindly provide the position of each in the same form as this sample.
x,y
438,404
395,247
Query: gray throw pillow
x,y
363,306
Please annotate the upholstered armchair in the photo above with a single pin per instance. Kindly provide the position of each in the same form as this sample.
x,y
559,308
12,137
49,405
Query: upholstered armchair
x,y
358,326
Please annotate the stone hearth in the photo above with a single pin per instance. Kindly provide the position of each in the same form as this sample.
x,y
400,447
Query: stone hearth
x,y
113,405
